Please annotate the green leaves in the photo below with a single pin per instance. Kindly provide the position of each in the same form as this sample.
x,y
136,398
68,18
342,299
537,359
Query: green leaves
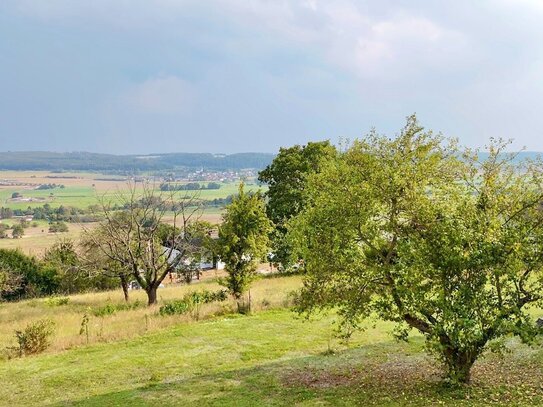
x,y
243,240
286,177
404,229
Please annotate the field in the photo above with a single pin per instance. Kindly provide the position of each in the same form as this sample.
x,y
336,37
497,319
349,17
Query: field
x,y
271,358
80,190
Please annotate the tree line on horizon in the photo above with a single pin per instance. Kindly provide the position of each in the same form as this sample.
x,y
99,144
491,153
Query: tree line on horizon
x,y
84,161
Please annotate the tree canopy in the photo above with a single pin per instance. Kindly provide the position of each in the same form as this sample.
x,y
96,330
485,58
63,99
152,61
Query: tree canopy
x,y
410,231
286,177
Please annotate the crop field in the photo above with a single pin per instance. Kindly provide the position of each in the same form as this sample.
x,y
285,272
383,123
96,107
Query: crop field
x,y
80,189
37,239
270,358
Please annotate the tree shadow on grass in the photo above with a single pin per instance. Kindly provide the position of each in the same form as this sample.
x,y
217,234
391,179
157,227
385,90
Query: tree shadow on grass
x,y
381,374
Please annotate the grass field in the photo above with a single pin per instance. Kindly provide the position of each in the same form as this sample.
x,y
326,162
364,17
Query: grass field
x,y
271,358
79,192
38,239
267,293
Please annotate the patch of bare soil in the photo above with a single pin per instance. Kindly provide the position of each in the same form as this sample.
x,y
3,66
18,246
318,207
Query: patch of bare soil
x,y
394,373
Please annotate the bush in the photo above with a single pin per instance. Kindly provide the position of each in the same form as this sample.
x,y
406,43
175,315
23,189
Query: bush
x,y
174,308
34,278
35,338
56,301
192,301
58,227
110,309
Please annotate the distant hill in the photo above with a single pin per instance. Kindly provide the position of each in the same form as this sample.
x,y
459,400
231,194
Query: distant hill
x,y
82,161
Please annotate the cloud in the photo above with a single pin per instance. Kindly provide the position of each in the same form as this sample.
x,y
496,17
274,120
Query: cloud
x,y
350,37
159,95
354,39
262,73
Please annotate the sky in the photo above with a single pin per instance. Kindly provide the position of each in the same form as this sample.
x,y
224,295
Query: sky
x,y
225,76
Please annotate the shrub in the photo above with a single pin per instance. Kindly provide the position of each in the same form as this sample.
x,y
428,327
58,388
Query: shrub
x,y
192,301
34,338
174,308
58,227
34,279
110,309
56,301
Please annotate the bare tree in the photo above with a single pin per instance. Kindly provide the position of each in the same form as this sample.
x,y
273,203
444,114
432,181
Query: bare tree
x,y
131,236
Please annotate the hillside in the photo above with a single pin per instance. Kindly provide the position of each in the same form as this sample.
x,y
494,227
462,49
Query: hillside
x,y
271,358
83,161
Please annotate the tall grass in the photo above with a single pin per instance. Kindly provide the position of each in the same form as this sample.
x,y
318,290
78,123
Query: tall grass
x,y
128,323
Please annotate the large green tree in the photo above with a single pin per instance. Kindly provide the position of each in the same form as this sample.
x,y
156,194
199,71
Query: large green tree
x,y
243,240
403,229
286,178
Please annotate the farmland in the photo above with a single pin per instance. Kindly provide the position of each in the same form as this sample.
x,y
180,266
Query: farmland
x,y
80,190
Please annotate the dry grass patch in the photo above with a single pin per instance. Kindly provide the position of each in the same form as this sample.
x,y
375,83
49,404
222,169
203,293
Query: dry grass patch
x,y
125,324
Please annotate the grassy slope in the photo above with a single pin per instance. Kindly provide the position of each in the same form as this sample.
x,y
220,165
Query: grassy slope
x,y
269,358
265,293
266,359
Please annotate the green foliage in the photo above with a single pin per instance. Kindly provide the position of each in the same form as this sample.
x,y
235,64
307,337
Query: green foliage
x,y
243,240
73,275
3,231
34,338
286,177
110,309
192,301
58,227
18,231
32,277
5,213
402,229
57,301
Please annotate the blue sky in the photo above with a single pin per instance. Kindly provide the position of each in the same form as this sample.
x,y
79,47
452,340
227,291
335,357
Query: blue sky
x,y
145,76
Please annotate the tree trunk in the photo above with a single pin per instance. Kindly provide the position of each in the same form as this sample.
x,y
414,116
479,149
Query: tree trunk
x,y
124,285
151,294
459,363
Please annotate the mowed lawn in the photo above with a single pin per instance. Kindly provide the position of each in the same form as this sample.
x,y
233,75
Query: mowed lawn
x,y
270,358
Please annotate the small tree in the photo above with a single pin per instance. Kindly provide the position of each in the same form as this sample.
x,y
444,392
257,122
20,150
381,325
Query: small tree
x,y
58,227
26,276
403,229
243,240
97,264
64,258
17,232
132,238
10,282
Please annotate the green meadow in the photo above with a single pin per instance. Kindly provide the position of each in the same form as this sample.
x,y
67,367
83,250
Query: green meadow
x,y
270,358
